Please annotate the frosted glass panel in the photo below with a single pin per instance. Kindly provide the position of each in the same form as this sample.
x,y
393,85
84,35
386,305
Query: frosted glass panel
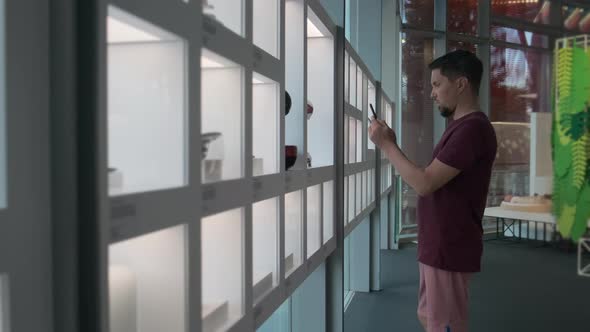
x,y
352,158
346,141
222,284
314,213
265,121
346,76
146,274
359,141
293,231
230,13
4,301
265,218
359,88
266,25
365,190
221,118
2,112
328,209
146,106
352,83
345,201
359,193
351,198
320,92
372,101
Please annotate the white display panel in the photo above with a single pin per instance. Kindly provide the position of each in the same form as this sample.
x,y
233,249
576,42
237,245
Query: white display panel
x,y
4,301
266,25
352,136
372,100
328,210
222,132
147,92
314,213
222,240
265,219
359,88
230,13
266,127
295,77
351,197
320,91
359,141
146,274
293,231
352,82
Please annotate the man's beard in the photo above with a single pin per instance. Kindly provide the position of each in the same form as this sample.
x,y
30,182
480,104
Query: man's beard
x,y
446,112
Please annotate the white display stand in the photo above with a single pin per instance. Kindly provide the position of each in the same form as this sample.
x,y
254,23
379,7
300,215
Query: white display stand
x,y
541,164
583,254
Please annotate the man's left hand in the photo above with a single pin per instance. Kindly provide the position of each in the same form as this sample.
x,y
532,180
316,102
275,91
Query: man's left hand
x,y
381,134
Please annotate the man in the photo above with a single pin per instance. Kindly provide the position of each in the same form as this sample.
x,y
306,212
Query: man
x,y
452,191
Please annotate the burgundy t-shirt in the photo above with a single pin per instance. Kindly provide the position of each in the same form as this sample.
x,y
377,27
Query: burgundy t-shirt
x,y
450,219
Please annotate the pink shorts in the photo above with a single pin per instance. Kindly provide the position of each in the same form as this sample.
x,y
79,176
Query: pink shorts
x,y
443,299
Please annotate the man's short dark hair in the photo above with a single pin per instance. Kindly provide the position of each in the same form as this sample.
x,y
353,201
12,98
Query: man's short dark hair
x,y
460,63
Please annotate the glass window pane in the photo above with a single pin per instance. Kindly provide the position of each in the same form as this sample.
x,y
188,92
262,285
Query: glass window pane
x,y
222,101
135,287
351,197
462,16
4,303
520,83
453,45
293,231
265,238
359,88
346,76
521,37
417,106
409,204
359,193
345,200
418,13
265,122
328,208
314,213
359,141
2,109
352,84
320,92
346,141
576,19
229,13
266,25
146,106
372,100
280,320
222,284
530,11
352,157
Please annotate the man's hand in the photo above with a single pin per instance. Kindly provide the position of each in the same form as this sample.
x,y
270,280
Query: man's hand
x,y
381,134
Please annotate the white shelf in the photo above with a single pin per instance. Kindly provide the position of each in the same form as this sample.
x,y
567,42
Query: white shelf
x,y
146,274
222,241
222,116
146,105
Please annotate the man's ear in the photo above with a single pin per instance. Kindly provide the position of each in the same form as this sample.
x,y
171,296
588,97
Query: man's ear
x,y
462,84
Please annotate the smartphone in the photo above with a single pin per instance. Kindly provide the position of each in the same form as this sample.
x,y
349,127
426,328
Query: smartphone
x,y
373,110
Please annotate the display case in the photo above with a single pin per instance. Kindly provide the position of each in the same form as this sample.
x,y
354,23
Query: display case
x,y
265,237
146,107
145,274
229,13
314,222
328,211
295,26
320,91
266,125
222,240
293,231
222,131
266,25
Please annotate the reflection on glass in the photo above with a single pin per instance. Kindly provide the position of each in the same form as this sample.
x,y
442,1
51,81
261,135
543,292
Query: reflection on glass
x,y
146,106
372,100
521,37
279,321
221,118
576,19
328,210
418,13
409,205
314,213
417,106
222,284
293,231
265,251
453,45
230,13
265,122
462,16
530,11
266,25
520,83
146,270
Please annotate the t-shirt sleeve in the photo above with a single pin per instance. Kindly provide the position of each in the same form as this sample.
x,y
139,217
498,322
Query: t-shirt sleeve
x,y
464,146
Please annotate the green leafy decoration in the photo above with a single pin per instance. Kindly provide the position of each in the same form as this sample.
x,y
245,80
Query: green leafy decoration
x,y
582,214
579,161
566,220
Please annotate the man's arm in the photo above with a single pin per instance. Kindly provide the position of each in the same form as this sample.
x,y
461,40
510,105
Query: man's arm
x,y
423,181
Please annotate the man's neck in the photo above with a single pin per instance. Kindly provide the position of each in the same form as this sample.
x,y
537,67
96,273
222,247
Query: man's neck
x,y
465,108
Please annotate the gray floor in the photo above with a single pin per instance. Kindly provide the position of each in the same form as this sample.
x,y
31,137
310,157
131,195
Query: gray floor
x,y
521,288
